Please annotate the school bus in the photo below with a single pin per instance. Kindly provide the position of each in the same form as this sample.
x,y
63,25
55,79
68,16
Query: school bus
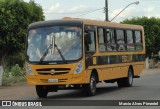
x,y
74,53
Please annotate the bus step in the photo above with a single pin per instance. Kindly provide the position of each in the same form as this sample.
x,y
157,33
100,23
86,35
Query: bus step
x,y
137,76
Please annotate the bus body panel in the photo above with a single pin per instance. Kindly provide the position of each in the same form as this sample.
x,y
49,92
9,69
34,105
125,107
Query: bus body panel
x,y
69,78
108,71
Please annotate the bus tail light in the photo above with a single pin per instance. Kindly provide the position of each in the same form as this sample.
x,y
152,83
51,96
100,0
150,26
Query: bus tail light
x,y
79,68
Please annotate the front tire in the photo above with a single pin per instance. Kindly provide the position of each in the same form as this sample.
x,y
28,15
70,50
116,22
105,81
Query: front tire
x,y
126,82
41,91
91,87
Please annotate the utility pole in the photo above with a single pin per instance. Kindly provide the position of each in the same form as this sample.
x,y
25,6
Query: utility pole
x,y
106,10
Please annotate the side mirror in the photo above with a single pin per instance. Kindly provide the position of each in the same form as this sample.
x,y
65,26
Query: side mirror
x,y
88,38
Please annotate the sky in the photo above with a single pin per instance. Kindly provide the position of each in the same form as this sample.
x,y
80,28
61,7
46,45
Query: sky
x,y
94,9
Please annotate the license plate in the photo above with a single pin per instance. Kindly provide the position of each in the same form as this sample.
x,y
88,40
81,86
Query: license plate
x,y
53,80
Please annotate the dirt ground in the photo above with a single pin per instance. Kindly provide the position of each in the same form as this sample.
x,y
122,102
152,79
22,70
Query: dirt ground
x,y
17,92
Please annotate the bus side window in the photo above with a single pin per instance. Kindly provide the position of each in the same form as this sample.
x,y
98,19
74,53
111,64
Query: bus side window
x,y
101,44
90,44
138,40
120,40
130,41
110,40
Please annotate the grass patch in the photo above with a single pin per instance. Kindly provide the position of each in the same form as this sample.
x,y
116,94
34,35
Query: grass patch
x,y
13,76
10,81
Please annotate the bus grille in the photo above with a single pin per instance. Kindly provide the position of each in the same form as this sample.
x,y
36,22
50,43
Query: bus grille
x,y
53,71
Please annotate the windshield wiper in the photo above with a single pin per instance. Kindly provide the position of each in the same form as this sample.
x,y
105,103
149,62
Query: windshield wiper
x,y
50,47
45,53
59,51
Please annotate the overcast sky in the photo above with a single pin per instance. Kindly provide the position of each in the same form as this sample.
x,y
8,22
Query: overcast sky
x,y
57,9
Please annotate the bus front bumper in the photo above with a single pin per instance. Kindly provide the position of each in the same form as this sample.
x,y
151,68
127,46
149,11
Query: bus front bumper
x,y
58,80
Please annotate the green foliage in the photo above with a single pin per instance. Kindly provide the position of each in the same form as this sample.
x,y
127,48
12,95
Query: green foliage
x,y
15,71
152,32
14,75
15,16
9,81
15,58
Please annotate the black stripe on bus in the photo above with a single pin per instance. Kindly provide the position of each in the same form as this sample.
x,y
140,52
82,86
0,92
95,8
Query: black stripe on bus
x,y
116,59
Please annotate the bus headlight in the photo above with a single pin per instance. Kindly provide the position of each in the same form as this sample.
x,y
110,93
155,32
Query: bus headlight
x,y
79,68
29,70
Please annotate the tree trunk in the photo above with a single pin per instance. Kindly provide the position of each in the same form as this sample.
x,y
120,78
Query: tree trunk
x,y
2,58
1,69
1,74
147,63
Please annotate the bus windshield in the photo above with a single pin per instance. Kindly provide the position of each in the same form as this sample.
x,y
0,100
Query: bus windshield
x,y
53,44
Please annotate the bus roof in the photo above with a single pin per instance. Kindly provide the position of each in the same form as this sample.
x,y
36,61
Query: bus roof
x,y
104,23
55,22
78,21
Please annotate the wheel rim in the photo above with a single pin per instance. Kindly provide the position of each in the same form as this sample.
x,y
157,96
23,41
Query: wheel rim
x,y
130,77
93,85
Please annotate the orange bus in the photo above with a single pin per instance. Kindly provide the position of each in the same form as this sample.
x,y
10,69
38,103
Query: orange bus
x,y
74,53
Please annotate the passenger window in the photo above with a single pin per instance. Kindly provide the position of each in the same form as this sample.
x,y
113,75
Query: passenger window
x,y
120,40
138,40
101,40
130,41
110,40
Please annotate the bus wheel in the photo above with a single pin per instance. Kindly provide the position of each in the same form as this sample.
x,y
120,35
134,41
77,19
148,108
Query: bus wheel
x,y
126,82
120,82
41,91
129,79
91,87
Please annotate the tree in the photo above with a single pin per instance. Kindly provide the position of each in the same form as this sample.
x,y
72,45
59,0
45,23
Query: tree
x,y
152,32
15,16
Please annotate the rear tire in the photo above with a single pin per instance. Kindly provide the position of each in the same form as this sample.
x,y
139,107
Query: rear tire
x,y
90,88
129,79
126,82
41,91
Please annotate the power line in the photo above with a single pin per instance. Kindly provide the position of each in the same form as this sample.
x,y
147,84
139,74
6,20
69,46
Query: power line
x,y
90,12
77,12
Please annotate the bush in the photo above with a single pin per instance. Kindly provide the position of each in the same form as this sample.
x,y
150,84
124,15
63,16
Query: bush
x,y
13,69
9,81
17,71
13,59
14,75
